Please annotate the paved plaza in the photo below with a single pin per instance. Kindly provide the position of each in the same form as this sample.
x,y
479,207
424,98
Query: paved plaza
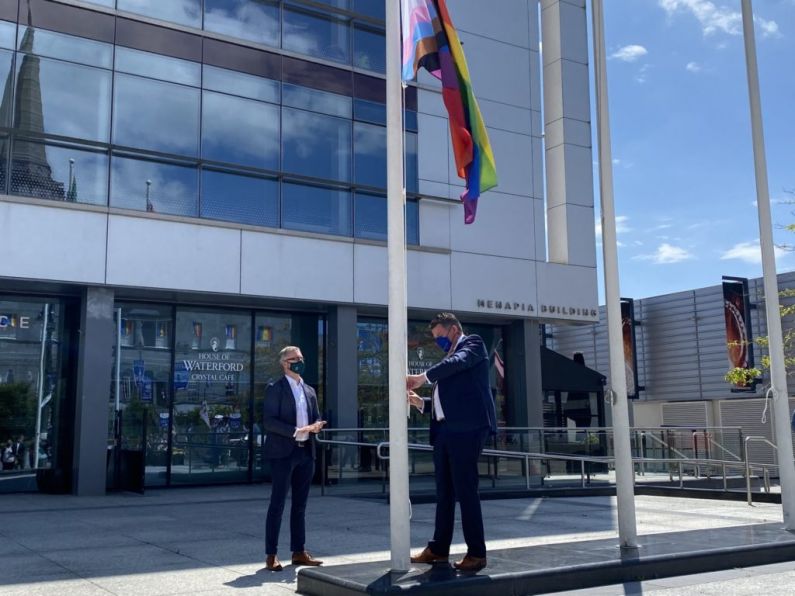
x,y
211,540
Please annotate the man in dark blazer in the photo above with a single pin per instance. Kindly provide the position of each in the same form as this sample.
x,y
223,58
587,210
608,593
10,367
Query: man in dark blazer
x,y
462,419
291,422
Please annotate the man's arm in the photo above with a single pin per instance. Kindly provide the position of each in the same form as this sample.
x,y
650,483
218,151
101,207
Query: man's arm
x,y
271,421
470,352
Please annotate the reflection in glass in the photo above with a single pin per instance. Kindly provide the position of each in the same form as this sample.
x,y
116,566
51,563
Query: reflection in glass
x,y
316,145
65,47
241,84
212,392
238,198
60,98
6,75
156,66
413,222
369,48
153,186
184,12
369,154
155,115
412,168
59,172
240,131
370,218
254,20
316,209
370,8
316,101
4,146
317,35
8,35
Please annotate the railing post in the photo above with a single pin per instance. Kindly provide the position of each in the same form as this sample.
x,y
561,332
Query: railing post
x,y
681,483
322,470
725,485
766,476
527,471
582,473
747,472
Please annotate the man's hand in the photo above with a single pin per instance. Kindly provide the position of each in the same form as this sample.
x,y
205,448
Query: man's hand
x,y
415,400
415,381
315,427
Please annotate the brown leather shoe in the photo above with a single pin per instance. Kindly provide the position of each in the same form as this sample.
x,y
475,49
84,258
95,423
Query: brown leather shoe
x,y
429,557
272,563
470,563
304,558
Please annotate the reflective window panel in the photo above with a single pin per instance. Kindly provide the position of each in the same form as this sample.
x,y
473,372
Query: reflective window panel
x,y
239,198
63,173
241,84
8,35
65,47
61,98
316,101
240,131
369,154
156,66
253,20
155,115
369,48
184,12
315,34
6,60
316,209
370,8
153,186
316,145
370,218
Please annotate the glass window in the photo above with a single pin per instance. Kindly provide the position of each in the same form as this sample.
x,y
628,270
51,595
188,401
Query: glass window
x,y
413,222
32,387
156,66
344,4
65,47
6,59
316,101
369,154
369,111
238,198
60,98
316,209
240,131
8,35
64,173
155,115
412,169
369,48
108,3
212,393
370,8
316,145
184,12
152,186
144,380
254,20
5,144
315,34
238,83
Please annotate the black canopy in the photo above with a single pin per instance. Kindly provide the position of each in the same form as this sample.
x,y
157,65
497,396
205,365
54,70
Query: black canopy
x,y
559,373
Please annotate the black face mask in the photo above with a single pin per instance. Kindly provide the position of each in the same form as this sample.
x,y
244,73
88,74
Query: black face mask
x,y
298,367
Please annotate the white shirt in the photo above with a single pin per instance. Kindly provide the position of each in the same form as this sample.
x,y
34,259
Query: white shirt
x,y
438,413
301,410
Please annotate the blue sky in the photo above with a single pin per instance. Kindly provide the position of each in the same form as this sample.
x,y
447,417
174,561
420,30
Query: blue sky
x,y
683,171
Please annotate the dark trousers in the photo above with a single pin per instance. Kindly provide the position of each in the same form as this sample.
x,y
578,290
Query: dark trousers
x,y
294,471
455,459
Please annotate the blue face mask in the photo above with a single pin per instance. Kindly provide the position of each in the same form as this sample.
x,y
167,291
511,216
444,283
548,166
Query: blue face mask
x,y
298,367
444,343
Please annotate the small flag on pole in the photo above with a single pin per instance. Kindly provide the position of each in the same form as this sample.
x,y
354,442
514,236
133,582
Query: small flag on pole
x,y
430,41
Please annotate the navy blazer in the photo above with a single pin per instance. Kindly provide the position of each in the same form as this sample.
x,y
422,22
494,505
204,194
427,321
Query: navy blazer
x,y
462,380
279,420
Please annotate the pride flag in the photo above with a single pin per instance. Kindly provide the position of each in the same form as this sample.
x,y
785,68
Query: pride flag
x,y
430,41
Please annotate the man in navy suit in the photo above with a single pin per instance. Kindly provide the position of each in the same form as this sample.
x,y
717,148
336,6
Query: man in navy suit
x,y
462,419
291,420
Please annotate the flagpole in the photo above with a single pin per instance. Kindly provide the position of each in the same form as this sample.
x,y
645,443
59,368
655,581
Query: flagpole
x,y
625,473
778,374
396,250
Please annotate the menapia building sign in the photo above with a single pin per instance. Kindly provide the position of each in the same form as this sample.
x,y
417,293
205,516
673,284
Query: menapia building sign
x,y
527,307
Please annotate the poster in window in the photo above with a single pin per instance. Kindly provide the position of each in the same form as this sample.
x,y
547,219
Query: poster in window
x,y
737,313
630,351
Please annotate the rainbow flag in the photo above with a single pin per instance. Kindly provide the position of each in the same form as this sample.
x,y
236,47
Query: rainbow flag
x,y
430,41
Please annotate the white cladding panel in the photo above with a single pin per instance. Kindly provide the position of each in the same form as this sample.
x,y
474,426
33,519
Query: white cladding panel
x,y
151,253
53,244
506,280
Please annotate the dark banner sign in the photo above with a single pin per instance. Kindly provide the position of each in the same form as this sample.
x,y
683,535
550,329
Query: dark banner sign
x,y
630,352
737,312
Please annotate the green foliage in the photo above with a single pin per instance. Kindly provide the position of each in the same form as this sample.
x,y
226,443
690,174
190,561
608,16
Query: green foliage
x,y
17,410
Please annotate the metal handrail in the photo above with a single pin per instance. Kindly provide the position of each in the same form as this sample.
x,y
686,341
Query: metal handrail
x,y
763,467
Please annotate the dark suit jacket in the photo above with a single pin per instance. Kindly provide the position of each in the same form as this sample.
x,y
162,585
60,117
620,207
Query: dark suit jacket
x,y
280,418
463,382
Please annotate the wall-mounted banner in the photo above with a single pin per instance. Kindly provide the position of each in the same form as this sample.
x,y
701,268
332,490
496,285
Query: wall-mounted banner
x,y
737,312
630,351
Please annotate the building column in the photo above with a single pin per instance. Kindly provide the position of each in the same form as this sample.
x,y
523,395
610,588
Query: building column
x,y
94,372
342,379
523,367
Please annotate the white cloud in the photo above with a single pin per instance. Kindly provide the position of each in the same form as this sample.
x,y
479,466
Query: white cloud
x,y
714,19
666,254
621,226
642,74
629,53
749,252
693,67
